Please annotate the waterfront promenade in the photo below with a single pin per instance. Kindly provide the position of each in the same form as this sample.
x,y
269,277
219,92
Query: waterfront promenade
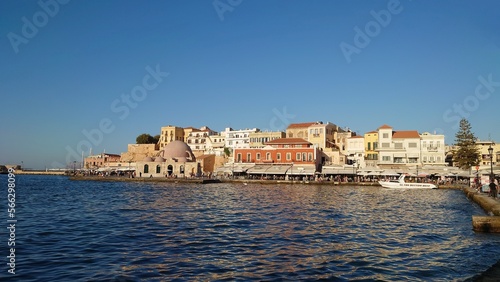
x,y
240,181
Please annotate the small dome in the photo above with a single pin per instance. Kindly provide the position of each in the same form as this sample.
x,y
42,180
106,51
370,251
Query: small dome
x,y
147,159
178,150
159,160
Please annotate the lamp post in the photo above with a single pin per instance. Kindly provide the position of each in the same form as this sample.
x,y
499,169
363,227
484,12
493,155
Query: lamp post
x,y
492,176
74,167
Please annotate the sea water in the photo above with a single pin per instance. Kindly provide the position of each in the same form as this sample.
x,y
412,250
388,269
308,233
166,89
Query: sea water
x,y
129,231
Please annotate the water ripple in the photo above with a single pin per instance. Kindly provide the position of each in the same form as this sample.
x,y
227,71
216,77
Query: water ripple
x,y
160,231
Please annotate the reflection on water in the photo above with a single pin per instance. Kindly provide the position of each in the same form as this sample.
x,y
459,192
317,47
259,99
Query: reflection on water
x,y
161,231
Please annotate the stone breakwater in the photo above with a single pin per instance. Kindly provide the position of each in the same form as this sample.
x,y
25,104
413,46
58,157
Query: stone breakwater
x,y
488,204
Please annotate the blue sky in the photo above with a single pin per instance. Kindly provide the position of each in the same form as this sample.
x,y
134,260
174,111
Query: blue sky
x,y
66,67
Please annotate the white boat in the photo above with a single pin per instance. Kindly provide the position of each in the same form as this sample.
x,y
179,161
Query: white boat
x,y
401,184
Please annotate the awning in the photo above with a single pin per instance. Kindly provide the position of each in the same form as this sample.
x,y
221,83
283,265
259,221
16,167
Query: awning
x,y
389,172
258,169
241,167
302,170
278,169
337,170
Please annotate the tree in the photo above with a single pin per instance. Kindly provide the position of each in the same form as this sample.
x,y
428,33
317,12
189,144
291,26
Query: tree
x,y
467,154
144,139
156,139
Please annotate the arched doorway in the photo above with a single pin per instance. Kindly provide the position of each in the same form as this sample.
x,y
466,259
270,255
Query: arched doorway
x,y
146,168
170,169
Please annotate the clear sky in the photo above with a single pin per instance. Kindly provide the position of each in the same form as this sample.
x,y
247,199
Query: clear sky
x,y
99,73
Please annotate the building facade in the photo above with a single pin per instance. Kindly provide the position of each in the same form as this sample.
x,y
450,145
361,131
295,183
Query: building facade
x,y
169,134
356,151
260,138
371,146
433,150
238,138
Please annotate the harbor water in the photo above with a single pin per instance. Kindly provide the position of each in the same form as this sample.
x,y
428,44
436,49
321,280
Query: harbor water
x,y
130,231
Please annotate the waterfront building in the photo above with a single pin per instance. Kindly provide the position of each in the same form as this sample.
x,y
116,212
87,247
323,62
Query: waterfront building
x,y
102,160
260,138
433,151
327,136
197,138
371,145
238,138
176,159
169,134
292,156
485,160
398,149
356,151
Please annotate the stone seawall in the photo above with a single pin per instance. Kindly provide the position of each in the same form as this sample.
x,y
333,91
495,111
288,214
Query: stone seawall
x,y
488,204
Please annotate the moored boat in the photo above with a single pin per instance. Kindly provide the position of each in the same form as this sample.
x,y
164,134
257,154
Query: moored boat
x,y
401,184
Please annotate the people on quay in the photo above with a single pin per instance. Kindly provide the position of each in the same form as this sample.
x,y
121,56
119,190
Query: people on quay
x,y
493,189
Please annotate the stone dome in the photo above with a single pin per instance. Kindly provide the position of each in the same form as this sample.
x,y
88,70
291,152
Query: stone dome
x,y
178,150
147,159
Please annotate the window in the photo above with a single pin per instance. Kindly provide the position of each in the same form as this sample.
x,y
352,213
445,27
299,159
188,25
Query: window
x,y
386,158
385,145
278,156
290,135
181,169
398,160
239,157
249,157
158,169
369,146
257,156
146,168
288,156
385,135
268,156
297,156
398,145
412,145
375,145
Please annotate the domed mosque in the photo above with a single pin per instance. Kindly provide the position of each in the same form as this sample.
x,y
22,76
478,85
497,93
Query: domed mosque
x,y
178,151
175,160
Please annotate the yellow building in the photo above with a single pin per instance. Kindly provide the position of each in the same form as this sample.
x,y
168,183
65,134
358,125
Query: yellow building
x,y
371,145
169,134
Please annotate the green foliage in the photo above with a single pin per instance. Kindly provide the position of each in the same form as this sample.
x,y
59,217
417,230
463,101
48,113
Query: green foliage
x,y
144,139
467,154
156,139
227,151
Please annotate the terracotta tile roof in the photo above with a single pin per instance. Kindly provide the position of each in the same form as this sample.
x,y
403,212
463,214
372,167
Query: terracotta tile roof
x,y
385,126
300,125
287,141
406,134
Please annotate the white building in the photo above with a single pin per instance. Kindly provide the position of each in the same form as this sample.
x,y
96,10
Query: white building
x,y
238,138
432,149
197,140
356,151
398,149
